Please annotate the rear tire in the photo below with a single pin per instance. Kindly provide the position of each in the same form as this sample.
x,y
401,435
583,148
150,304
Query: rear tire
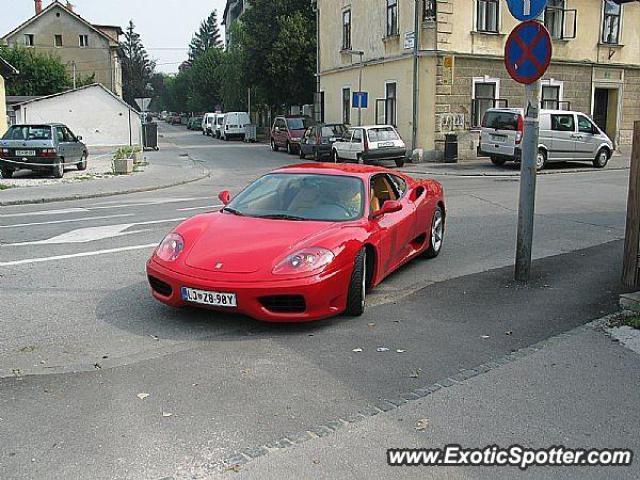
x,y
498,161
400,162
356,297
58,169
436,239
6,173
301,154
602,158
335,157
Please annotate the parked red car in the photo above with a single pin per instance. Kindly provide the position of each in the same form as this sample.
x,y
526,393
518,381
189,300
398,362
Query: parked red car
x,y
328,234
287,131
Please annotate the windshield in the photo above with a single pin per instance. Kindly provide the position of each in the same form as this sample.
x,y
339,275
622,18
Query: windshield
x,y
326,198
501,120
384,134
23,132
300,123
333,130
220,120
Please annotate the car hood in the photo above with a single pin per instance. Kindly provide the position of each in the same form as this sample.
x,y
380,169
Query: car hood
x,y
234,244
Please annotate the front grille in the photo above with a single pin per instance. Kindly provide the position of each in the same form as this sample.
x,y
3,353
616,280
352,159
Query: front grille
x,y
284,303
160,287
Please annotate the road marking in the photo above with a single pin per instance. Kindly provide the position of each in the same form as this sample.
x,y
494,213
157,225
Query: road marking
x,y
199,208
143,203
92,234
71,220
77,255
44,212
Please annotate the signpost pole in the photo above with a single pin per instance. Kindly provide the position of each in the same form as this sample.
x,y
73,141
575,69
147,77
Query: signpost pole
x,y
526,209
360,90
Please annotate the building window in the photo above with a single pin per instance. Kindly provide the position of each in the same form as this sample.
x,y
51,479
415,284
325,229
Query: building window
x,y
390,117
29,40
611,22
487,16
430,9
551,97
84,40
346,106
346,30
485,96
392,18
554,18
58,41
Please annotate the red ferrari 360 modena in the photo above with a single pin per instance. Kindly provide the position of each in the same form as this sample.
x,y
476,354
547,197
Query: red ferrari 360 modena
x,y
302,243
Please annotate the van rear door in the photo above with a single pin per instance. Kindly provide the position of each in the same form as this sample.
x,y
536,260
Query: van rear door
x,y
501,132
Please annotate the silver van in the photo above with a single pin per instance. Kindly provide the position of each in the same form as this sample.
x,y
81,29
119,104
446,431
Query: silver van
x,y
564,136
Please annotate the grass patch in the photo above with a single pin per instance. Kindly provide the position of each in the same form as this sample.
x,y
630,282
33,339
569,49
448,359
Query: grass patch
x,y
4,187
633,322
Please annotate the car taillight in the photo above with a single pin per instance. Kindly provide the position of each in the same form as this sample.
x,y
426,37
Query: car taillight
x,y
48,152
4,151
520,130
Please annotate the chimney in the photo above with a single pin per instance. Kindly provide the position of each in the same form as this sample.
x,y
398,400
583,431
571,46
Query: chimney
x,y
38,7
69,6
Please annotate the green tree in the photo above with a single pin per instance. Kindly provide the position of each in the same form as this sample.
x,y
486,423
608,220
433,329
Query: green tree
x,y
40,74
207,37
278,45
137,68
204,92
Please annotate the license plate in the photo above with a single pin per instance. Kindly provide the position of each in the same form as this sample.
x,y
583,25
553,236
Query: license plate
x,y
214,299
385,144
25,153
498,138
333,139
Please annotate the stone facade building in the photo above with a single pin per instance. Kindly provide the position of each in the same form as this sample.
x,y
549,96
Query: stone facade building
x,y
84,48
460,71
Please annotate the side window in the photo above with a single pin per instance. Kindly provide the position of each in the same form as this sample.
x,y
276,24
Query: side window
x,y
347,135
399,184
585,125
563,123
60,135
381,191
70,137
357,136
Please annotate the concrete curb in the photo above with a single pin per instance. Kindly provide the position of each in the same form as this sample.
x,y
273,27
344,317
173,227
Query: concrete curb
x,y
34,201
515,174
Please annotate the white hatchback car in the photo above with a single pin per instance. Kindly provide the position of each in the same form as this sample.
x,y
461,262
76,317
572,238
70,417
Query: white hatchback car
x,y
374,143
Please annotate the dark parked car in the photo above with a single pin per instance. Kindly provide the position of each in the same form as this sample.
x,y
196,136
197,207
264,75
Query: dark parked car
x,y
317,140
195,123
48,147
287,131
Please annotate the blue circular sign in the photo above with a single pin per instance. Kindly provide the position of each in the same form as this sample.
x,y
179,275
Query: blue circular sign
x,y
525,10
527,54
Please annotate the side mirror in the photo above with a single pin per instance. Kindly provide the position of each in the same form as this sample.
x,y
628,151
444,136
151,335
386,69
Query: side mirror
x,y
390,206
79,138
225,197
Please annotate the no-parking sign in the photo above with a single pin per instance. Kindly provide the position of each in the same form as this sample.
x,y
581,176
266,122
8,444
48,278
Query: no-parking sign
x,y
527,54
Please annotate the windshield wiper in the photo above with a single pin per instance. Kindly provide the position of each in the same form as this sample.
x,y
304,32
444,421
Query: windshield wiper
x,y
283,216
233,211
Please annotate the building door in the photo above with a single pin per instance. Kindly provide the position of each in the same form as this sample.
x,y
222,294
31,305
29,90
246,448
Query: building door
x,y
601,108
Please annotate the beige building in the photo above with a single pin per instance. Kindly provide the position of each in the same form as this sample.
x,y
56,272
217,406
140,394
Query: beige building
x,y
5,70
83,47
460,70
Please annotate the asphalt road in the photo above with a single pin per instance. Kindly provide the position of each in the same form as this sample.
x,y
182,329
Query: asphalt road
x,y
81,336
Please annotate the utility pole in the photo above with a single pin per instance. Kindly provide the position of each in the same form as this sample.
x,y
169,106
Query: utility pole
x,y
416,50
75,73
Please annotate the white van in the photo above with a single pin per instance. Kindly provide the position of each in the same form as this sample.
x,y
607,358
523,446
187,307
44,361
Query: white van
x,y
234,125
217,124
207,123
564,136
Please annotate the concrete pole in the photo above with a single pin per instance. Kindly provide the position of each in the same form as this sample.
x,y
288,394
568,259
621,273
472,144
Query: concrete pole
x,y
632,235
360,90
416,49
75,73
526,209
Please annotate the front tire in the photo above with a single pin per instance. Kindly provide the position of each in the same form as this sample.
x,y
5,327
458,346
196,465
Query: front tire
x,y
301,154
436,238
541,160
335,157
274,147
356,297
289,149
601,159
82,166
6,173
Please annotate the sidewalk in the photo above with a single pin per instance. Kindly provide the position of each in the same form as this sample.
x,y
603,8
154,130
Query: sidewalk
x,y
484,168
166,168
578,390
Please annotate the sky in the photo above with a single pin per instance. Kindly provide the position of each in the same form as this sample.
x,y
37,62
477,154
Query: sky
x,y
166,26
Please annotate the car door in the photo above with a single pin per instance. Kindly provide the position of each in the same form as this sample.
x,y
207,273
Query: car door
x,y
74,146
586,141
63,149
563,133
356,146
396,230
343,146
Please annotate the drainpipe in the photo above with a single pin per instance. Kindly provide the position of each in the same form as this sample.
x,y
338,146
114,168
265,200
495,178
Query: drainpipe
x,y
416,49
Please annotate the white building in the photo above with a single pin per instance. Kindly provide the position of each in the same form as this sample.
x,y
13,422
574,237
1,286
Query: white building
x,y
93,112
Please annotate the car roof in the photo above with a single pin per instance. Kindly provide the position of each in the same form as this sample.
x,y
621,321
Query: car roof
x,y
349,169
38,125
371,127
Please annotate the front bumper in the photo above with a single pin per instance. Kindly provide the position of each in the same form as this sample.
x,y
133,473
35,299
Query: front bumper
x,y
30,163
325,295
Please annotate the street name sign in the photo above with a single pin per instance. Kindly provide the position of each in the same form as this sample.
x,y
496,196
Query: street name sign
x,y
527,54
524,10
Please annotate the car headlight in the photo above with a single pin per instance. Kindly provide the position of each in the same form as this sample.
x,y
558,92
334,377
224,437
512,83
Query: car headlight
x,y
170,248
306,260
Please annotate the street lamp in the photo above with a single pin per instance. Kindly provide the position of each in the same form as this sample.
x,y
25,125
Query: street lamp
x,y
360,53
